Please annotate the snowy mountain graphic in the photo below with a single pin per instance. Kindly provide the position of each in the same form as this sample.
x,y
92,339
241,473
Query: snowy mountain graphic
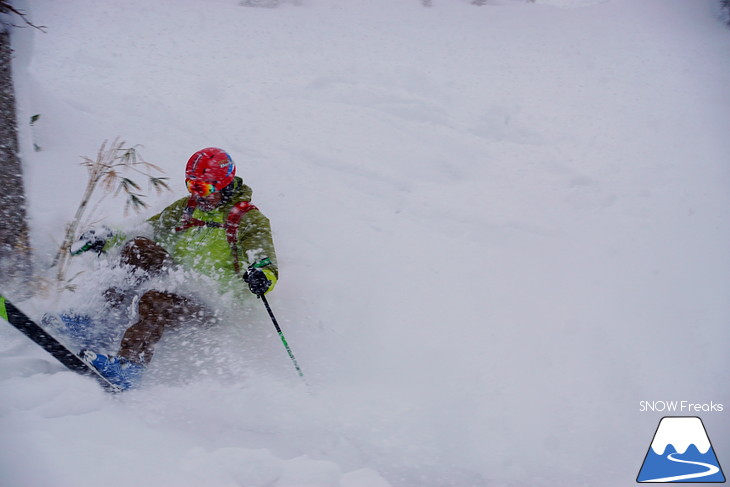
x,y
681,452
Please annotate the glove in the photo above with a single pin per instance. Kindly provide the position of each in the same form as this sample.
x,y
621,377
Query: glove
x,y
258,282
94,239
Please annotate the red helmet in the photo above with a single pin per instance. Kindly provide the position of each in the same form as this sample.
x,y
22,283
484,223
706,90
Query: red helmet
x,y
212,168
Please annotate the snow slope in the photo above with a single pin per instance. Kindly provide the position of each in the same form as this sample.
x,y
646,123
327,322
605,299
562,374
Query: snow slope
x,y
499,229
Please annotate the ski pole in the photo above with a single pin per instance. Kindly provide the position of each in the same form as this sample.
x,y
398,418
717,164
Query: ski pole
x,y
281,335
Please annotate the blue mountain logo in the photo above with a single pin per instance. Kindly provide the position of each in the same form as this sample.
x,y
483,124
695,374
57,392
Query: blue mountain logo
x,y
681,452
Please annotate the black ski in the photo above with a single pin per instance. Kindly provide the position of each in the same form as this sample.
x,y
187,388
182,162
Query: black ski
x,y
35,332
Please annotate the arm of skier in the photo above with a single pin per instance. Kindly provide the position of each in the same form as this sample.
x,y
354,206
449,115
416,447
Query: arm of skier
x,y
98,240
256,242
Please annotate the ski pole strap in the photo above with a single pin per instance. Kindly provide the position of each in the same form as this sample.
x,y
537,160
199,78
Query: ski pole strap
x,y
261,263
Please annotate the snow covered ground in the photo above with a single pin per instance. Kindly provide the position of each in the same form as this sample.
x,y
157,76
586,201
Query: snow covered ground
x,y
499,229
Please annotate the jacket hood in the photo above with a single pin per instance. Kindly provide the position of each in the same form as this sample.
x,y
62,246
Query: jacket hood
x,y
238,192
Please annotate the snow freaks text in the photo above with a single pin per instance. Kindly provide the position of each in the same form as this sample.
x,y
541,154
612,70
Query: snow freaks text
x,y
680,407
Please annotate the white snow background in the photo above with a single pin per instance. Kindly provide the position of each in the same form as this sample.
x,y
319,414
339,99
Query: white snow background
x,y
499,229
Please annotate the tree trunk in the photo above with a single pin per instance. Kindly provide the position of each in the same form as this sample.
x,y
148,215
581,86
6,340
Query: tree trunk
x,y
15,263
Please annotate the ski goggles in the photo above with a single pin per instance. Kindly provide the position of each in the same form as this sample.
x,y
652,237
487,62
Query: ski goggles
x,y
200,188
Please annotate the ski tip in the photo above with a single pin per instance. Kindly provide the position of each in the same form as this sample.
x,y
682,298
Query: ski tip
x,y
3,308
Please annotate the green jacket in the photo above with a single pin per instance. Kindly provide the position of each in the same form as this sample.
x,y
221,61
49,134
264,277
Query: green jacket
x,y
206,250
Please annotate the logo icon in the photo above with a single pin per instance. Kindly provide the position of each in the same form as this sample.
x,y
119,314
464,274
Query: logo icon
x,y
681,452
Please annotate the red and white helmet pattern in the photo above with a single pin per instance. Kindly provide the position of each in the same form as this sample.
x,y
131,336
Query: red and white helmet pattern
x,y
211,165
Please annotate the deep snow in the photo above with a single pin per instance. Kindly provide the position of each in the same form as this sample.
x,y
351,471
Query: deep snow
x,y
500,228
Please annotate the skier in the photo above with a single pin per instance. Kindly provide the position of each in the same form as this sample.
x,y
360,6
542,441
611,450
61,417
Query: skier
x,y
215,232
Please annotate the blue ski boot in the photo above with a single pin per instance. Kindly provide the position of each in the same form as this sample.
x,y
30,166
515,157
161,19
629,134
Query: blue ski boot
x,y
70,324
80,329
117,370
